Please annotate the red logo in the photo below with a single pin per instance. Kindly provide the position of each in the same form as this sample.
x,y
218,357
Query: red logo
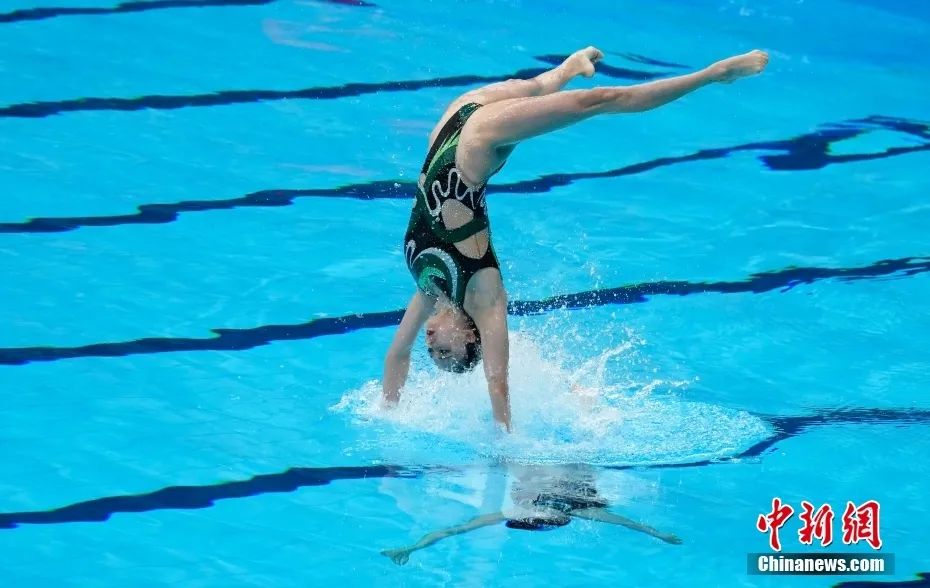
x,y
860,523
773,521
816,525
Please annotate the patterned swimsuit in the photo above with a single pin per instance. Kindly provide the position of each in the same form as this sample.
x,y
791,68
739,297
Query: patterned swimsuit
x,y
429,246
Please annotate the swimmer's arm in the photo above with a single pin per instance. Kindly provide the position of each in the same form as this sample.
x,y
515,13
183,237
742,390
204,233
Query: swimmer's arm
x,y
491,321
605,516
400,555
397,361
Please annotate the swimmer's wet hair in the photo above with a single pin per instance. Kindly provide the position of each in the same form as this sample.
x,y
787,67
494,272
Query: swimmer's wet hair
x,y
472,350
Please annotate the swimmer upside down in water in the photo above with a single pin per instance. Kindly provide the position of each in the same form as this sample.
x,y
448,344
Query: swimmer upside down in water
x,y
460,294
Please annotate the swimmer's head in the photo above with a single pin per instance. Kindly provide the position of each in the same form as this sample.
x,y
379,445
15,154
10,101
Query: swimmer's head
x,y
452,340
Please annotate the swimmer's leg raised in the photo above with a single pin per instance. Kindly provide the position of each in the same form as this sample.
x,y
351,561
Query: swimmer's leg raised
x,y
508,122
579,63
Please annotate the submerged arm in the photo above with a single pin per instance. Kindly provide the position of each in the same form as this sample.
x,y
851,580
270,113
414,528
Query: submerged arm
x,y
397,361
400,555
605,516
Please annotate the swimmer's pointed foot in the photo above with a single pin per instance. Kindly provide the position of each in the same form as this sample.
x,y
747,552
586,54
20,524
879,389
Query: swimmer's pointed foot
x,y
581,62
669,538
398,556
740,66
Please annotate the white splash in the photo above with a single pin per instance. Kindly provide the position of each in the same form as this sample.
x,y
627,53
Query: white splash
x,y
603,412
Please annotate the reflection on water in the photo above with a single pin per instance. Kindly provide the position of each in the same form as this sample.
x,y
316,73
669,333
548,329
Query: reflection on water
x,y
516,496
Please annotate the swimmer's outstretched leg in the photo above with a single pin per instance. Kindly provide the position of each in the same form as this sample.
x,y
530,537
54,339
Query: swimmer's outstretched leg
x,y
505,123
579,63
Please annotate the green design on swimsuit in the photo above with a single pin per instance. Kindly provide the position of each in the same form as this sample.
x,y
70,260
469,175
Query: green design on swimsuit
x,y
429,247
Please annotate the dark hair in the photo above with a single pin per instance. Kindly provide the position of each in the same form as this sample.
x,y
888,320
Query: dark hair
x,y
472,350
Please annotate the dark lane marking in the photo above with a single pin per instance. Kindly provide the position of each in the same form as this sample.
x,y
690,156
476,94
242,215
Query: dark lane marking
x,y
784,279
153,214
42,13
792,426
922,581
194,497
197,497
635,57
228,97
786,427
242,339
810,151
225,339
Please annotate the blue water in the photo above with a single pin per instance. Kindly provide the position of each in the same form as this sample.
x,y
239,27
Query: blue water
x,y
200,228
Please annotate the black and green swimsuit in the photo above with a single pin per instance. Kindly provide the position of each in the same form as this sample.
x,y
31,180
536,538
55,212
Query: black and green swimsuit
x,y
429,246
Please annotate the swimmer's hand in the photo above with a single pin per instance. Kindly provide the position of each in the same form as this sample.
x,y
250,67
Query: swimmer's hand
x,y
390,387
398,556
389,401
502,430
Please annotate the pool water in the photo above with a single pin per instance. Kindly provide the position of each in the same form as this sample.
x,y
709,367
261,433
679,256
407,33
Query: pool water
x,y
712,304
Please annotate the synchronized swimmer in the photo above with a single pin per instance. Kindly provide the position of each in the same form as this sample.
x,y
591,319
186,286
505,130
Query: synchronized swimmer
x,y
460,295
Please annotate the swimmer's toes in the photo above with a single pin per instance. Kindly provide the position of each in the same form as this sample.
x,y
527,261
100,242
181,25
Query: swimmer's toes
x,y
593,54
759,60
582,62
398,556
740,66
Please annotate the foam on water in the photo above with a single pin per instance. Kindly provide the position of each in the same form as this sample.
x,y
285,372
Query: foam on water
x,y
599,410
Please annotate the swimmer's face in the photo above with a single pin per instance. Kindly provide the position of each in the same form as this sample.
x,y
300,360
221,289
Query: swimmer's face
x,y
447,334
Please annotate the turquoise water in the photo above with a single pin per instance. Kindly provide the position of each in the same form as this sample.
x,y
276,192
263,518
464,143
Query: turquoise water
x,y
200,238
